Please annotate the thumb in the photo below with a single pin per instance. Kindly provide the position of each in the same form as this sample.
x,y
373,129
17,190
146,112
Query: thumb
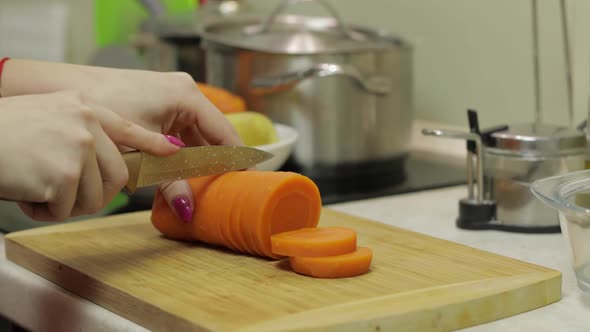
x,y
179,197
126,133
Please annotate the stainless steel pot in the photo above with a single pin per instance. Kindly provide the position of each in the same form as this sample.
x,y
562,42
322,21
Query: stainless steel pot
x,y
347,90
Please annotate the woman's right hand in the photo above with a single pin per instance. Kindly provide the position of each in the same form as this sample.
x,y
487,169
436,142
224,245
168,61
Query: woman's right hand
x,y
60,156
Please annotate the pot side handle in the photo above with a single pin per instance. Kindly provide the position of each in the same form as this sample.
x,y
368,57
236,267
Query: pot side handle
x,y
378,85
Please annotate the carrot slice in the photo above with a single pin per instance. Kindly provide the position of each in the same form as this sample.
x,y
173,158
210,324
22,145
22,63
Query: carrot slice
x,y
261,203
207,221
314,242
239,224
341,266
249,228
235,224
228,196
279,202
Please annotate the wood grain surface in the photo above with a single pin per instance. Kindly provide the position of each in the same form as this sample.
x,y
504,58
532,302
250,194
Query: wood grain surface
x,y
416,282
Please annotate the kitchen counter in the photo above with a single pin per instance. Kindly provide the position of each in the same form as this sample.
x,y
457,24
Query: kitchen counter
x,y
37,304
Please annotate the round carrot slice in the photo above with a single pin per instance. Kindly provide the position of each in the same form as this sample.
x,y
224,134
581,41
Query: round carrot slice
x,y
228,197
207,220
279,202
296,204
251,211
340,266
239,224
314,242
234,225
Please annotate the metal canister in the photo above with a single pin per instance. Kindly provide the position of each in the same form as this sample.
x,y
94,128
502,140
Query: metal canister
x,y
516,157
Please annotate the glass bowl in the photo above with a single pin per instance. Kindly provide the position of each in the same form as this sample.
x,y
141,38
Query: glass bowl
x,y
569,194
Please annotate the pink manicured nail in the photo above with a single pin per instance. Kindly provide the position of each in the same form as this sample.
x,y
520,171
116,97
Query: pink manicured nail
x,y
183,207
175,141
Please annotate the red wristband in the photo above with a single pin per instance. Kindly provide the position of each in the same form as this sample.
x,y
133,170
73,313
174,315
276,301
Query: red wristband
x,y
2,62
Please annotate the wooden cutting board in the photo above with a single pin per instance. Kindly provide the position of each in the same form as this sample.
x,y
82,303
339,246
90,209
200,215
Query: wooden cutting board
x,y
417,282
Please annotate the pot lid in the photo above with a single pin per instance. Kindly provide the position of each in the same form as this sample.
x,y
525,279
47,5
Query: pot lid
x,y
292,34
544,138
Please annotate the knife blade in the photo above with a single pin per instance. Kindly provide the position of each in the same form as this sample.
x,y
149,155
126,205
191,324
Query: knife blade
x,y
146,169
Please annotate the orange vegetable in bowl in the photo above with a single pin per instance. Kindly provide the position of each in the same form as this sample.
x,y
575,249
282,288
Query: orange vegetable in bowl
x,y
224,100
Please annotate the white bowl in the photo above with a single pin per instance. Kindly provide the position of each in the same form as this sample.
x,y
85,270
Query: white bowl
x,y
281,149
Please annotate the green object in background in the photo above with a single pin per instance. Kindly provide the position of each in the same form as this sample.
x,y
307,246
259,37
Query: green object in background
x,y
118,201
117,20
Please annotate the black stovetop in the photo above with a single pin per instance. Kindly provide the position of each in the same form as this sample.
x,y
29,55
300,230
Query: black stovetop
x,y
416,172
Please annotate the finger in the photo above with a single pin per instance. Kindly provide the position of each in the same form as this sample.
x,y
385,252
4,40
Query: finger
x,y
61,207
58,209
89,199
192,137
178,194
36,211
129,134
113,171
104,175
179,197
211,123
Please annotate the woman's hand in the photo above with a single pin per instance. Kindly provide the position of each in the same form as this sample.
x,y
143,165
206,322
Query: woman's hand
x,y
58,157
169,103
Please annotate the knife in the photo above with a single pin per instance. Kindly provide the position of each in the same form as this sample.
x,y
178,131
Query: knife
x,y
146,169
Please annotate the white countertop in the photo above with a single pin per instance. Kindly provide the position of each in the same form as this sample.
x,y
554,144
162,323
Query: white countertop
x,y
37,304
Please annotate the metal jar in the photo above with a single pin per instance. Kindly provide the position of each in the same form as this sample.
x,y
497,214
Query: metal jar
x,y
346,90
515,158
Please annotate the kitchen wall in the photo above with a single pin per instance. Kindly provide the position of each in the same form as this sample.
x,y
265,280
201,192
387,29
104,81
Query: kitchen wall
x,y
478,54
468,53
78,21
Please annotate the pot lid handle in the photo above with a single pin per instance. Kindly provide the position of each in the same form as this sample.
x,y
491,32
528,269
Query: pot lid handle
x,y
267,23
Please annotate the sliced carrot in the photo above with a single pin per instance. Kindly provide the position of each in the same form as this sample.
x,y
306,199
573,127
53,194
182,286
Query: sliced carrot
x,y
206,222
233,196
235,223
279,202
228,197
262,204
249,228
240,226
341,266
314,242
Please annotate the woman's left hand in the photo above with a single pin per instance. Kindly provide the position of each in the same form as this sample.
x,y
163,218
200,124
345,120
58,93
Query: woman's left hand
x,y
170,103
